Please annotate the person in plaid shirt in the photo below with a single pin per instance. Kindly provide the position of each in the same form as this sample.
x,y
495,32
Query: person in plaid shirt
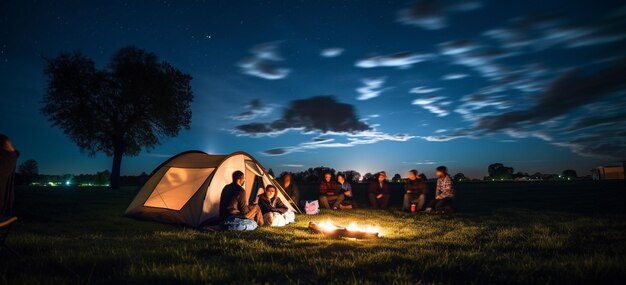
x,y
444,194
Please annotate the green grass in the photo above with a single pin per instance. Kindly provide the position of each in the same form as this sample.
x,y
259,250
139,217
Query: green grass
x,y
564,234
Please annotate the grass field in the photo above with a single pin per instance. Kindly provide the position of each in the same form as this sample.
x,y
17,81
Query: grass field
x,y
513,233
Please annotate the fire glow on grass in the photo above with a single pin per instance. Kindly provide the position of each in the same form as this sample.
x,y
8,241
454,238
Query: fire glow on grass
x,y
353,230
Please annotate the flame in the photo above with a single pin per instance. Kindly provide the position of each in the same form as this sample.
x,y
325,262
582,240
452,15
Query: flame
x,y
353,227
327,226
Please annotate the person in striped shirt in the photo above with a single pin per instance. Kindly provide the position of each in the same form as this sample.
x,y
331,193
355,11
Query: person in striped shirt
x,y
444,195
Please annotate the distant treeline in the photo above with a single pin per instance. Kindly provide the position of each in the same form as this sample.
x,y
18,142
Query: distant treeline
x,y
28,174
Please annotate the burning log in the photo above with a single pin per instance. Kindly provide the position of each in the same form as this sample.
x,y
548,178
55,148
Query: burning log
x,y
334,231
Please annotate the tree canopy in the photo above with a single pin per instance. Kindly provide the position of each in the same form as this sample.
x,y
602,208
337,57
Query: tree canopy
x,y
128,106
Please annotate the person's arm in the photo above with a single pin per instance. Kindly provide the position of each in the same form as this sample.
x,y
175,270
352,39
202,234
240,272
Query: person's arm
x,y
296,193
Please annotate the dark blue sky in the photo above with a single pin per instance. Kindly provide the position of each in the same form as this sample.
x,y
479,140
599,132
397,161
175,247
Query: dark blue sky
x,y
537,85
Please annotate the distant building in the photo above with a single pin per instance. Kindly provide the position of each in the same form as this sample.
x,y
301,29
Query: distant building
x,y
608,173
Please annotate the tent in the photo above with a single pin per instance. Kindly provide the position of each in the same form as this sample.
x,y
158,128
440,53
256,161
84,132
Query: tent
x,y
186,189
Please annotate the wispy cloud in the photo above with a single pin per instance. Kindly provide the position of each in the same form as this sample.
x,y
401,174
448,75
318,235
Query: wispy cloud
x,y
401,60
371,89
331,52
434,104
454,76
255,109
432,14
263,61
423,90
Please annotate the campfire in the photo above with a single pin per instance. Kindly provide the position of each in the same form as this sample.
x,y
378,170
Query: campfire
x,y
353,230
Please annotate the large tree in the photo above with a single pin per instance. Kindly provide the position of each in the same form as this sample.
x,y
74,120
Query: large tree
x,y
29,170
131,104
500,172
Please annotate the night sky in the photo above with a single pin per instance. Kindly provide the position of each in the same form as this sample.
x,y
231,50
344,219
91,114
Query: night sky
x,y
364,85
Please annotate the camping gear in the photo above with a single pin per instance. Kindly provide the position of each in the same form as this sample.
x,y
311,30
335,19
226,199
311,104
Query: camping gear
x,y
233,223
312,207
5,229
186,189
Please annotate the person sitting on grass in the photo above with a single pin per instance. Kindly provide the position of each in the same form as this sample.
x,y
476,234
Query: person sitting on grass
x,y
444,193
379,192
233,201
415,192
275,213
346,189
8,161
330,192
291,188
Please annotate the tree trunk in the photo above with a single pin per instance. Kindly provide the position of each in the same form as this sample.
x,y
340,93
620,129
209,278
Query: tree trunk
x,y
118,152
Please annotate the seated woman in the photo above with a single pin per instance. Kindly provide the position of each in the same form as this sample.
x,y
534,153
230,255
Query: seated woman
x,y
275,213
346,188
379,192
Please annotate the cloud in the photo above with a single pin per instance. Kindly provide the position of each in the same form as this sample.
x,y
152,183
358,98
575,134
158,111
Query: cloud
x,y
263,61
609,144
332,52
434,104
400,60
432,14
316,114
292,165
442,138
546,31
372,88
454,76
593,121
346,140
334,125
255,109
566,93
423,90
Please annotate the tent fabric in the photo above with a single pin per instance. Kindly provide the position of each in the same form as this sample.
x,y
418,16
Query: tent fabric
x,y
177,186
186,189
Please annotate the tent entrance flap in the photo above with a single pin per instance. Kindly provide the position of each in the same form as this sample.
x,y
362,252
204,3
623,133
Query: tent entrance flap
x,y
177,186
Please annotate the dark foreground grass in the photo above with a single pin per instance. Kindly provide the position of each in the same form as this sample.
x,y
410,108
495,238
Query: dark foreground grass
x,y
78,236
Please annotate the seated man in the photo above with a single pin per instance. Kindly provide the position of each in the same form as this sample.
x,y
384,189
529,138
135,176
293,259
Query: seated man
x,y
275,213
444,194
233,201
415,192
330,192
379,192
346,189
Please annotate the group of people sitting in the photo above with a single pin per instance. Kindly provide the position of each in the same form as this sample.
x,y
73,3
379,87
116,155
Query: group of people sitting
x,y
339,193
268,209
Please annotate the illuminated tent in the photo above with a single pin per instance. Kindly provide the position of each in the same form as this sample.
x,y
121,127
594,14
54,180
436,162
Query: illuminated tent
x,y
186,189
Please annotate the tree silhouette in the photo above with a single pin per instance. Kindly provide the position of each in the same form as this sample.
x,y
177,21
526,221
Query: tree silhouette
x,y
29,170
459,177
498,171
569,174
131,105
271,172
352,176
396,178
368,177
